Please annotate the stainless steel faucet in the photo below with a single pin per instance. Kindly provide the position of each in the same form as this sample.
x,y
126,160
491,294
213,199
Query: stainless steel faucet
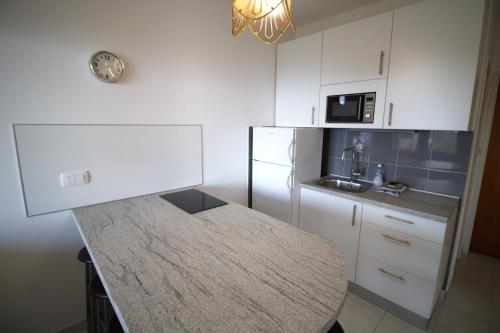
x,y
355,172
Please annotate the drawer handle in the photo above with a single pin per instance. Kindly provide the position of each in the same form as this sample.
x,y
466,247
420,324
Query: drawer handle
x,y
402,241
399,277
398,219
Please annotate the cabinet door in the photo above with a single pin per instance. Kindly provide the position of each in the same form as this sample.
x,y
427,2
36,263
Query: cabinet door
x,y
298,71
333,218
434,54
357,51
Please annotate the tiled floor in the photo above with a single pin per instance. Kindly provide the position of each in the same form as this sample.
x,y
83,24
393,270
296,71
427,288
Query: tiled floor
x,y
472,304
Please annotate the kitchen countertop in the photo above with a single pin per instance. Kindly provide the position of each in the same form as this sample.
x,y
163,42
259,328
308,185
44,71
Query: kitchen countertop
x,y
424,204
227,269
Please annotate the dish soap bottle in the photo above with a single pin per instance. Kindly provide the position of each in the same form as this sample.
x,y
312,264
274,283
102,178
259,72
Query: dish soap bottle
x,y
378,180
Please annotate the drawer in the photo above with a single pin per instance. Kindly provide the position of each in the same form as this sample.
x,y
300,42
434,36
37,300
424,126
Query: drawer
x,y
410,254
406,290
409,224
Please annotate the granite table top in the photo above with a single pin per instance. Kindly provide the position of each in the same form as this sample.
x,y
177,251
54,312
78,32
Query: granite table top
x,y
227,269
424,204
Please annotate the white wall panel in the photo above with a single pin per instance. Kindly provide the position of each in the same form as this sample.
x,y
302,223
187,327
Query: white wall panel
x,y
123,162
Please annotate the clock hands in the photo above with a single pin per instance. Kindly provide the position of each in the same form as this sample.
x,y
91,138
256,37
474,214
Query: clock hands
x,y
109,69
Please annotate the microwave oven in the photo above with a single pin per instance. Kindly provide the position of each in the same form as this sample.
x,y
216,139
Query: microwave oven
x,y
350,108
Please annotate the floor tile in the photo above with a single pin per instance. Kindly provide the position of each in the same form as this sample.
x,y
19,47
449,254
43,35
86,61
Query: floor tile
x,y
468,307
359,316
471,303
435,316
474,272
392,324
454,321
496,283
495,314
496,293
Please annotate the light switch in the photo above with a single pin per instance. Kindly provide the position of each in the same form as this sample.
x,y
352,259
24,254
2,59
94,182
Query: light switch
x,y
74,178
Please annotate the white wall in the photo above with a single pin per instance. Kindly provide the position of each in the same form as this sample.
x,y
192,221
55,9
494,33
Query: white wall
x,y
183,67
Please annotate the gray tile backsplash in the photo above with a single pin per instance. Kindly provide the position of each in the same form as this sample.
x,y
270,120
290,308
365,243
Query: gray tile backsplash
x,y
434,161
414,149
450,151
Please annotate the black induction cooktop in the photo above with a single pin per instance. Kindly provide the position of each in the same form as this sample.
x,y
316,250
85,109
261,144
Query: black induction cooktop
x,y
193,201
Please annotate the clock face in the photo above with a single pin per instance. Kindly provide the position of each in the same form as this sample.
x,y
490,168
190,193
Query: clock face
x,y
106,66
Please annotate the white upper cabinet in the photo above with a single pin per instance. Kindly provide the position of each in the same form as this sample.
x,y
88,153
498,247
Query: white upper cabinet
x,y
357,51
434,55
298,75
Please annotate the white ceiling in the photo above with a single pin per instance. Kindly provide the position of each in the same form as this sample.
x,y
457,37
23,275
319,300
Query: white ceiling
x,y
307,11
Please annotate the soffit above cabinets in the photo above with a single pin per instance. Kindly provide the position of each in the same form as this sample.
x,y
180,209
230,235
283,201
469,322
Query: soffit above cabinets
x,y
309,11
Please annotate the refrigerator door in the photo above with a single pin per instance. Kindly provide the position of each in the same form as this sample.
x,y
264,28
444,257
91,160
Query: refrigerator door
x,y
271,189
273,145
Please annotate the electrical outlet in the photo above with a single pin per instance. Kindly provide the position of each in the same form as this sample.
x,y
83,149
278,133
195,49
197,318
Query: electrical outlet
x,y
74,178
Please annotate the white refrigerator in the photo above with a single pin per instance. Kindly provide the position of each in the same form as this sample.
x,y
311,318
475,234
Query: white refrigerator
x,y
280,159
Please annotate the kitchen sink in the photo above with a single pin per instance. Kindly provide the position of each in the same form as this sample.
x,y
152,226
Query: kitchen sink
x,y
345,185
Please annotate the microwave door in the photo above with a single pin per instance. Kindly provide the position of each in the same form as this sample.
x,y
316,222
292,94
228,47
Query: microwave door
x,y
344,108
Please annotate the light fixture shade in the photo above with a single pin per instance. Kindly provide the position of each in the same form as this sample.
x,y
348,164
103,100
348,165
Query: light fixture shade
x,y
239,22
255,9
271,27
268,19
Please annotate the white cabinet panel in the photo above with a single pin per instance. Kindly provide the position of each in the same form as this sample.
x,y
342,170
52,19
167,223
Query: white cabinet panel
x,y
377,86
434,55
411,292
333,218
298,74
409,224
271,189
357,51
414,255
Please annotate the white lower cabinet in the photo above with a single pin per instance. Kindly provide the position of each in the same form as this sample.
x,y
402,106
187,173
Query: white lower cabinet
x,y
413,255
398,256
333,218
413,293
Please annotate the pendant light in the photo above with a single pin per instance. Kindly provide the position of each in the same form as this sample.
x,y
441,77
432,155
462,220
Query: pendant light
x,y
267,19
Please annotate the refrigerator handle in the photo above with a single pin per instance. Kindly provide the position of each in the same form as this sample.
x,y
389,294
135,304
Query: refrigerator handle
x,y
289,183
290,152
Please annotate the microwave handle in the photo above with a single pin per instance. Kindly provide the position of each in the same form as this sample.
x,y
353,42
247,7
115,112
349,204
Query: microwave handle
x,y
360,106
312,115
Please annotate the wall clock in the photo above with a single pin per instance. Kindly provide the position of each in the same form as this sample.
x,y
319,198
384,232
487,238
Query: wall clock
x,y
106,66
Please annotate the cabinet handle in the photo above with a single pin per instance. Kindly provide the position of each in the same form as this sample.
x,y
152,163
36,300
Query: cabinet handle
x,y
391,107
399,277
381,65
354,214
402,241
313,115
398,219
